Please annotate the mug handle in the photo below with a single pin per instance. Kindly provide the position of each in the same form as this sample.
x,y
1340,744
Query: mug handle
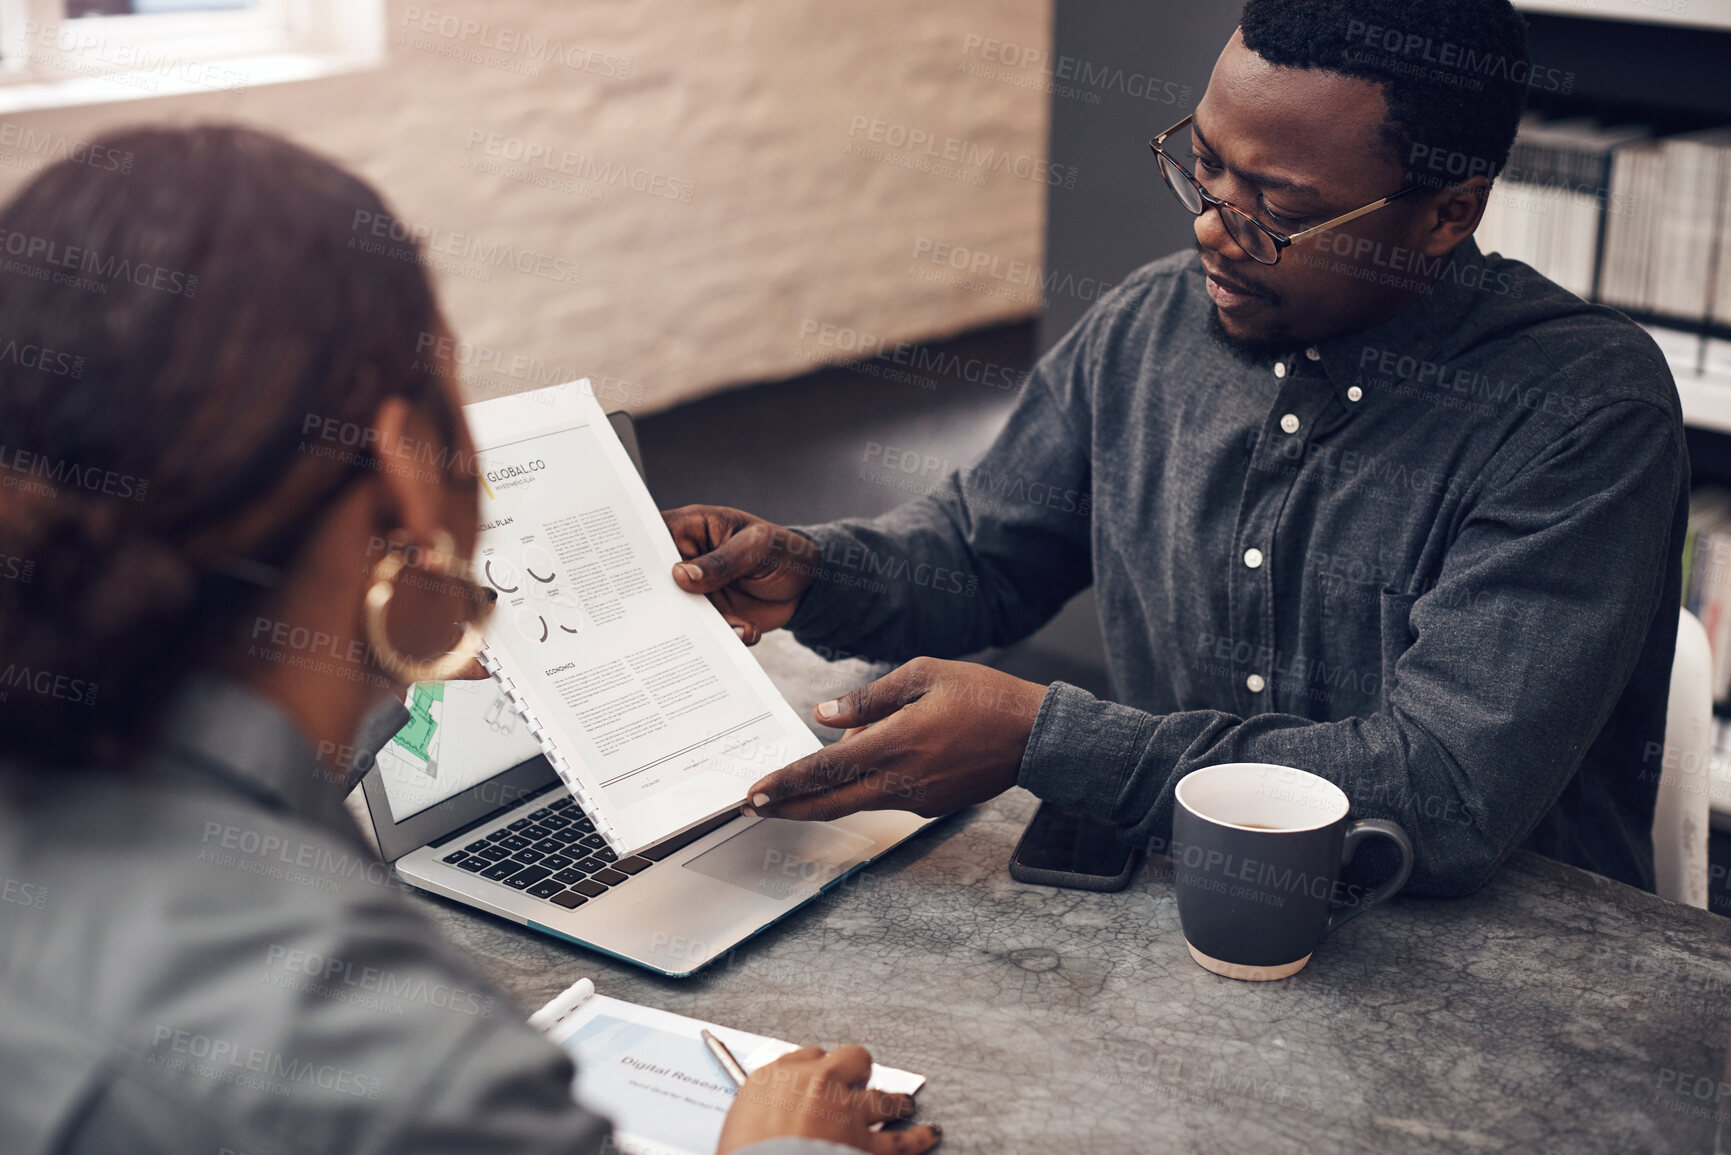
x,y
1358,831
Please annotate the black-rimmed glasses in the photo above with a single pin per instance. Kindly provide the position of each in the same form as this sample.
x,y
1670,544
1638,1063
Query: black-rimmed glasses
x,y
1262,243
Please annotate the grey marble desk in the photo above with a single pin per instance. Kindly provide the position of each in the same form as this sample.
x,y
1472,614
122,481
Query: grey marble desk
x,y
1554,1011
1551,1012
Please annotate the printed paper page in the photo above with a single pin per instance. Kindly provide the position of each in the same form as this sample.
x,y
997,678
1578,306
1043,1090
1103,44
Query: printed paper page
x,y
660,711
649,1072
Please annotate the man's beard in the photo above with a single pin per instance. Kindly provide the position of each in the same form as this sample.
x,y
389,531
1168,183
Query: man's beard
x,y
1259,353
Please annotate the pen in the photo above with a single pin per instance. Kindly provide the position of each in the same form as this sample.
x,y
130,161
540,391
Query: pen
x,y
724,1057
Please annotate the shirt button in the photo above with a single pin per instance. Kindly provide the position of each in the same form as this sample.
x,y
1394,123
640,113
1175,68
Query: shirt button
x,y
1290,423
1280,368
1253,558
1313,354
1354,394
1254,683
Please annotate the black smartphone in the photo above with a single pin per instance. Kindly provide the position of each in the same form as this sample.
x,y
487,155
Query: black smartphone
x,y
1063,849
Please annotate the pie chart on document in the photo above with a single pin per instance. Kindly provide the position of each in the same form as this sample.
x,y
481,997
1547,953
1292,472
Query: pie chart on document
x,y
545,613
567,615
502,574
539,565
533,624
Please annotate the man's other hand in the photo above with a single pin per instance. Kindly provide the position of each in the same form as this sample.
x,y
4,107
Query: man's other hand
x,y
930,737
754,572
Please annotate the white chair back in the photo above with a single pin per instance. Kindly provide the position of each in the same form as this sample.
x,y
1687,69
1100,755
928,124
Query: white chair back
x,y
1680,819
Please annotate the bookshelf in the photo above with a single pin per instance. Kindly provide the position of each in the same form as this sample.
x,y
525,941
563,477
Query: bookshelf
x,y
1657,63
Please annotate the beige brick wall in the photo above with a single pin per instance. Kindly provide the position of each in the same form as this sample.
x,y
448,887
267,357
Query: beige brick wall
x,y
796,157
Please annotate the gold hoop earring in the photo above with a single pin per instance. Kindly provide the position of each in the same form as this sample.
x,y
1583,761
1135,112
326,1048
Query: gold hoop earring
x,y
441,559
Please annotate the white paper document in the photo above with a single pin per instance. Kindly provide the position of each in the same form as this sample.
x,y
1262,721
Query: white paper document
x,y
644,700
648,1071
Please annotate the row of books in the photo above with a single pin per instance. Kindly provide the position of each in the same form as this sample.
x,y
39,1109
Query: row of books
x,y
1618,215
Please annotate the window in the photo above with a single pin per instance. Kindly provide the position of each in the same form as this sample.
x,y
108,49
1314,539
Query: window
x,y
55,53
146,7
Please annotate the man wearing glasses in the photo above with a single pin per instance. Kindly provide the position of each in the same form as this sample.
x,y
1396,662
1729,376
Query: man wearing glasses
x,y
1355,497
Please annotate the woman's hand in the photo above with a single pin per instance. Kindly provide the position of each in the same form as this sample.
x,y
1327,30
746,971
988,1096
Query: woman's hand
x,y
809,1094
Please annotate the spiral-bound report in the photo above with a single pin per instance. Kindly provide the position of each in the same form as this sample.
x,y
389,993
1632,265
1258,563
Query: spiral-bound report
x,y
648,706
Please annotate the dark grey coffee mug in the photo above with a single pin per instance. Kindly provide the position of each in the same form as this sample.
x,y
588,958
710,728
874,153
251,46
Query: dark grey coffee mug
x,y
1257,851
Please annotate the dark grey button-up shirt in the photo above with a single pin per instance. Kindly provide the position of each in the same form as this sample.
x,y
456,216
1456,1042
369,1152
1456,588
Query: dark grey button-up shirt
x,y
1436,562
199,955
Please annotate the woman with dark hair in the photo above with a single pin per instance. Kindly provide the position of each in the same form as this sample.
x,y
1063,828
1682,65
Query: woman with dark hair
x,y
205,596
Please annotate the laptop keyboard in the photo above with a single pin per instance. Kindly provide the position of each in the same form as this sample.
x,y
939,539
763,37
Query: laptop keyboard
x,y
554,854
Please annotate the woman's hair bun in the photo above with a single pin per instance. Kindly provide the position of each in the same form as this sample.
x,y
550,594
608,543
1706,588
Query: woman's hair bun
x,y
97,607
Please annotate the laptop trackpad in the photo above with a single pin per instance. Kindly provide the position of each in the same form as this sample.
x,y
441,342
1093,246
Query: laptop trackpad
x,y
779,858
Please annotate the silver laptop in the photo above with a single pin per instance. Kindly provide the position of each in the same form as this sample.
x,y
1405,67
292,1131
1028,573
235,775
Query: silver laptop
x,y
479,816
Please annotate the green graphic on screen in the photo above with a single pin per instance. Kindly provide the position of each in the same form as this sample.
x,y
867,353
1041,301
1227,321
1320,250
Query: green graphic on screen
x,y
416,736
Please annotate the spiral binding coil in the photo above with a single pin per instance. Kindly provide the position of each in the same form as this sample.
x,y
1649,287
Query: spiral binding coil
x,y
561,764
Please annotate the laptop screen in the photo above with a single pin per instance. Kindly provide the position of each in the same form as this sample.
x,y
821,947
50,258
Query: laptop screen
x,y
459,735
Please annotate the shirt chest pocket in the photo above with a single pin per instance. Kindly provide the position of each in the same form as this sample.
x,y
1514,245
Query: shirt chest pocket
x,y
1397,635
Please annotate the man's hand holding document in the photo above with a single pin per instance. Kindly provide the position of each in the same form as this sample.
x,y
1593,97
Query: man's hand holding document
x,y
643,698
